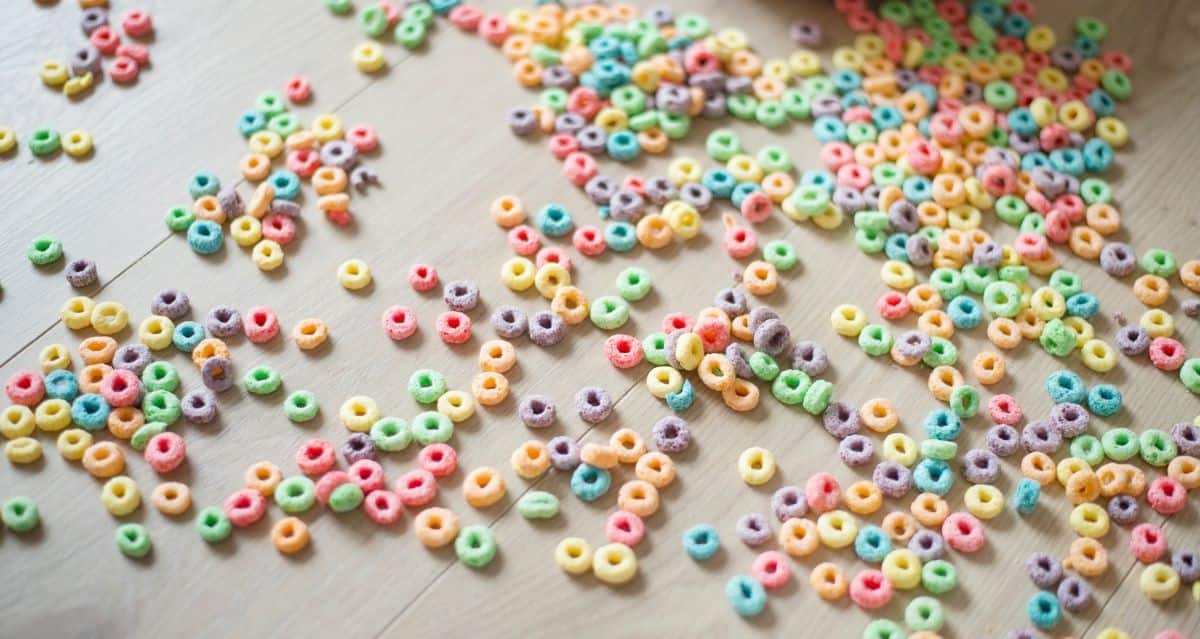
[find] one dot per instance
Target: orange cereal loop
(656, 469)
(828, 581)
(869, 154)
(760, 278)
(483, 487)
(516, 47)
(628, 445)
(714, 313)
(942, 381)
(932, 214)
(1043, 267)
(1087, 557)
(1189, 274)
(768, 88)
(622, 13)
(1039, 467)
(1151, 290)
(951, 86)
(988, 368)
(879, 415)
(936, 323)
(123, 422)
(527, 72)
(303, 139)
(310, 333)
(328, 180)
(878, 67)
(929, 510)
(739, 327)
(263, 477)
(530, 459)
(942, 259)
(435, 527)
(103, 460)
(507, 210)
(490, 388)
(669, 69)
(497, 355)
(863, 498)
(892, 144)
(545, 30)
(798, 537)
(171, 498)
(638, 497)
(716, 372)
(741, 395)
(97, 350)
(1112, 479)
(954, 243)
(91, 377)
(924, 297)
(778, 186)
(1029, 324)
(570, 304)
(983, 72)
(1086, 243)
(260, 201)
(208, 348)
(599, 455)
(974, 151)
(899, 525)
(976, 237)
(1185, 469)
(206, 207)
(653, 140)
(1004, 333)
(744, 63)
(255, 167)
(593, 13)
(653, 231)
(1135, 480)
(290, 535)
(948, 191)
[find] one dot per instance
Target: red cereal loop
(383, 507)
(870, 589)
(822, 492)
(1147, 543)
(367, 474)
(524, 240)
(245, 507)
(399, 322)
(835, 155)
(137, 23)
(137, 52)
(298, 89)
(634, 183)
(422, 277)
(772, 569)
(329, 482)
(757, 207)
(391, 11)
(562, 145)
(123, 70)
(466, 18)
(579, 167)
(553, 255)
(698, 59)
(589, 240)
(859, 114)
(1118, 60)
(623, 351)
(584, 101)
(363, 137)
(677, 322)
(1166, 496)
(279, 228)
(303, 162)
(454, 327)
(713, 334)
(893, 305)
(340, 218)
(25, 388)
(854, 176)
(1004, 409)
(315, 457)
(438, 459)
(105, 40)
(739, 241)
(494, 29)
(120, 388)
(260, 324)
(1167, 354)
(165, 452)
(963, 532)
(624, 527)
(1058, 226)
(416, 488)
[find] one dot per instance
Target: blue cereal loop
(896, 247)
(701, 542)
(933, 476)
(682, 399)
(90, 412)
(745, 595)
(251, 122)
(61, 384)
(286, 183)
(965, 313)
(942, 424)
(1044, 610)
(187, 335)
(1083, 305)
(1103, 399)
(1065, 386)
(554, 220)
(1025, 497)
(623, 146)
(205, 237)
(743, 191)
(589, 483)
(620, 236)
(719, 182)
(203, 183)
(872, 544)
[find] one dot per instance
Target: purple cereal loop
(697, 195)
(714, 107)
(660, 15)
(738, 84)
(711, 82)
(223, 321)
(600, 189)
(810, 358)
(339, 153)
(1074, 594)
(559, 77)
(1022, 634)
(1003, 440)
(1187, 438)
(870, 193)
(927, 545)
(170, 303)
(673, 99)
(564, 453)
(1070, 419)
(826, 104)
(82, 273)
(357, 447)
(840, 420)
(287, 207)
(593, 404)
(987, 255)
(772, 337)
(739, 358)
(753, 529)
(760, 315)
(805, 34)
(1066, 58)
(671, 434)
(509, 322)
(1072, 184)
(980, 466)
(132, 357)
(1133, 340)
(731, 301)
(546, 329)
(1117, 259)
(361, 178)
(1041, 436)
(660, 190)
(1187, 564)
(1044, 571)
(591, 139)
(893, 479)
(217, 373)
(569, 123)
(521, 121)
(231, 202)
(669, 348)
(788, 502)
(537, 411)
(1024, 143)
(1191, 308)
(906, 78)
(199, 406)
(849, 200)
(902, 215)
(1123, 510)
(856, 450)
(1077, 140)
(913, 345)
(86, 60)
(93, 19)
(626, 206)
(461, 295)
(971, 93)
(918, 250)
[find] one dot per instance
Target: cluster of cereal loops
(76, 78)
(408, 28)
(45, 142)
(45, 250)
(327, 155)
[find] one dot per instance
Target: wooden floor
(445, 155)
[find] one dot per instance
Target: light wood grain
(445, 156)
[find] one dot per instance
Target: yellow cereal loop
(573, 555)
(744, 169)
(156, 332)
(1098, 355)
(848, 320)
(77, 143)
(267, 255)
(54, 73)
(898, 275)
(1069, 466)
(689, 350)
(845, 58)
(16, 421)
(327, 128)
(900, 448)
(902, 567)
(368, 57)
(1047, 304)
(1115, 633)
(73, 443)
(354, 274)
(518, 274)
(359, 413)
(265, 142)
(684, 171)
(869, 45)
(984, 501)
(612, 120)
(8, 139)
(1089, 520)
(1159, 582)
(1158, 323)
(1043, 112)
(246, 230)
(550, 277)
(52, 415)
(23, 450)
(614, 563)
(683, 219)
(837, 529)
(804, 63)
(1040, 38)
(109, 318)
(54, 357)
(121, 496)
(76, 312)
(1113, 131)
(457, 405)
(663, 380)
(756, 466)
(829, 219)
(78, 85)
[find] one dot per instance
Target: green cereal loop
(997, 137)
(373, 20)
(301, 406)
(1066, 282)
(924, 613)
(882, 629)
(790, 386)
(947, 282)
(261, 380)
(1002, 299)
(628, 98)
(816, 398)
(1094, 190)
(339, 7)
(937, 26)
(1091, 28)
(421, 12)
(20, 514)
(295, 494)
(923, 9)
(797, 104)
(817, 85)
(774, 159)
(589, 30)
(810, 199)
(650, 44)
(1154, 261)
(213, 525)
(1120, 444)
(1033, 223)
(1011, 209)
(1157, 447)
(1089, 449)
(609, 312)
(133, 540)
(896, 11)
(426, 385)
(771, 114)
(1014, 273)
(644, 120)
(982, 31)
(545, 56)
(780, 254)
(871, 220)
(764, 366)
(887, 174)
(692, 25)
(179, 218)
(145, 433)
(931, 233)
(640, 27)
(654, 348)
(345, 498)
(43, 142)
(270, 103)
(410, 34)
(1189, 374)
(391, 434)
(161, 406)
(860, 132)
(537, 504)
(875, 340)
(1116, 83)
(741, 106)
(475, 546)
(618, 31)
(981, 51)
(676, 126)
(977, 278)
(870, 241)
(160, 375)
(939, 576)
(1057, 338)
(1000, 94)
(432, 427)
(634, 283)
(942, 352)
(964, 401)
(44, 249)
(938, 449)
(931, 56)
(284, 124)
